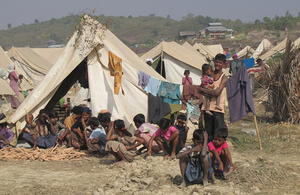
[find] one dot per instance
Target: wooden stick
(257, 132)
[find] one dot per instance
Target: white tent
(5, 92)
(50, 54)
(4, 62)
(265, 45)
(89, 46)
(278, 48)
(28, 63)
(246, 51)
(176, 59)
(193, 48)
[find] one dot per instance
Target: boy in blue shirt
(182, 127)
(97, 140)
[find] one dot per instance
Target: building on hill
(187, 34)
(215, 30)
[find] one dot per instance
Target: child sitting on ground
(62, 131)
(105, 122)
(219, 150)
(207, 82)
(145, 131)
(97, 140)
(167, 138)
(122, 144)
(194, 160)
(181, 125)
(30, 128)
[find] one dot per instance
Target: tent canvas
(265, 45)
(50, 54)
(4, 62)
(176, 59)
(278, 48)
(89, 46)
(244, 52)
(28, 63)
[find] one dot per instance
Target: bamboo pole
(257, 132)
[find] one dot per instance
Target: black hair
(139, 118)
(43, 111)
(186, 71)
(94, 121)
(220, 57)
(53, 114)
(104, 117)
(77, 110)
(120, 126)
(259, 60)
(182, 117)
(164, 123)
(206, 67)
(198, 134)
(221, 132)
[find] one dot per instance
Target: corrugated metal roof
(214, 24)
(186, 33)
(215, 28)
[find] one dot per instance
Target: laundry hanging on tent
(152, 86)
(235, 65)
(190, 92)
(115, 68)
(157, 108)
(143, 79)
(169, 92)
(240, 100)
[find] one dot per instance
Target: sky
(17, 12)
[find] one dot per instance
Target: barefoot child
(181, 125)
(145, 131)
(97, 140)
(208, 82)
(30, 128)
(122, 144)
(62, 131)
(219, 150)
(167, 138)
(194, 160)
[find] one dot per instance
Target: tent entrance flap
(157, 66)
(67, 83)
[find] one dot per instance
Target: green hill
(150, 30)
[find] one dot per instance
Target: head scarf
(11, 67)
(235, 55)
(86, 110)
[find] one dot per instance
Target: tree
(9, 26)
(36, 21)
(168, 16)
(257, 21)
(130, 16)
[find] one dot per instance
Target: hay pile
(282, 84)
(51, 154)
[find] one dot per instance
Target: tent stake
(257, 132)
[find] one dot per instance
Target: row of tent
(53, 75)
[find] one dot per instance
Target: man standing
(216, 120)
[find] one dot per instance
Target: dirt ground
(273, 170)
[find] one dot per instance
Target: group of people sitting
(206, 157)
(103, 136)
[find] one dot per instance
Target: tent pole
(257, 132)
(161, 62)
